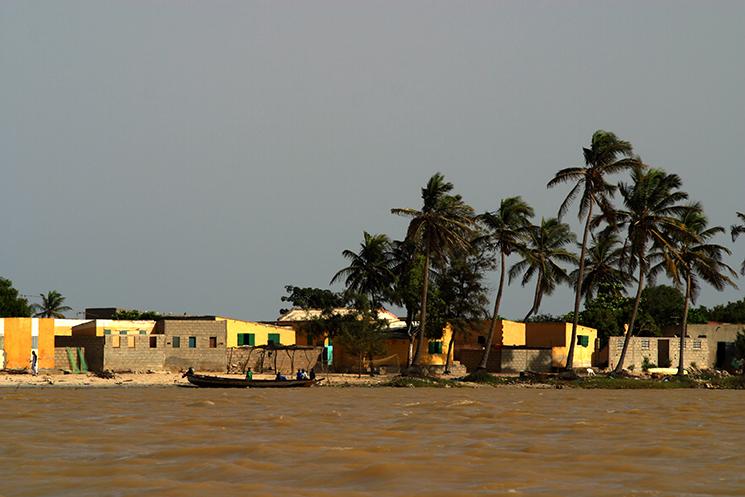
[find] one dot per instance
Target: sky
(196, 157)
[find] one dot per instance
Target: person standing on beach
(34, 363)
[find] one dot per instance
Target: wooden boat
(209, 381)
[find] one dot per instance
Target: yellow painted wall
(18, 342)
(260, 331)
(46, 343)
(436, 359)
(511, 333)
(99, 326)
(63, 327)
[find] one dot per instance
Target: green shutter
(583, 340)
(251, 340)
(241, 337)
(273, 339)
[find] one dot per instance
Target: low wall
(260, 360)
(507, 360)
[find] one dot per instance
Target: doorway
(663, 353)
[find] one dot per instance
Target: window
(107, 332)
(697, 344)
(309, 339)
(645, 344)
(435, 347)
(176, 342)
(192, 342)
(122, 332)
(115, 341)
(153, 342)
(143, 332)
(246, 339)
(131, 341)
(481, 340)
(583, 340)
(273, 339)
(213, 342)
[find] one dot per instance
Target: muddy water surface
(371, 441)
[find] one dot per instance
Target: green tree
(541, 258)
(12, 305)
(663, 304)
(370, 271)
(650, 217)
(52, 305)
(361, 333)
(442, 227)
(731, 312)
(606, 155)
(693, 260)
(311, 298)
(506, 230)
(407, 266)
(461, 294)
(134, 314)
(736, 230)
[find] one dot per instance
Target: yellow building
(63, 327)
(103, 327)
(558, 336)
(22, 335)
(249, 333)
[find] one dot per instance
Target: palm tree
(650, 217)
(692, 259)
(736, 230)
(370, 270)
(602, 265)
(606, 155)
(444, 224)
(51, 305)
(507, 229)
(540, 257)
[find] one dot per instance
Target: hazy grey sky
(197, 156)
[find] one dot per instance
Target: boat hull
(209, 381)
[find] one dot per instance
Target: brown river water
(371, 441)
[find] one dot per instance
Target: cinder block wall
(202, 357)
(134, 353)
(93, 351)
(637, 351)
(239, 359)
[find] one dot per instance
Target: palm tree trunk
(423, 313)
(578, 288)
(450, 351)
(536, 298)
(684, 327)
(494, 317)
(634, 310)
(409, 319)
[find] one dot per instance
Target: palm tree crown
(737, 230)
(52, 305)
(602, 265)
(370, 270)
(541, 256)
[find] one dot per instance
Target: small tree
(12, 305)
(362, 334)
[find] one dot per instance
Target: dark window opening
(153, 342)
(213, 342)
(176, 342)
(192, 342)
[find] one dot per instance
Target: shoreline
(344, 380)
